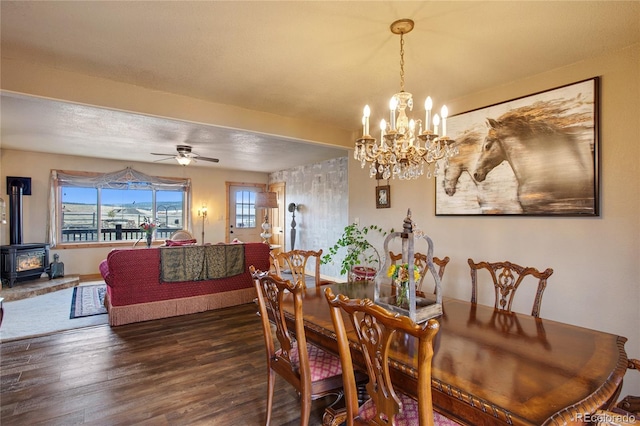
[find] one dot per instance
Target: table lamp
(266, 201)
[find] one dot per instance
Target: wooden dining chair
(627, 410)
(631, 403)
(313, 372)
(375, 329)
(296, 261)
(507, 278)
(420, 261)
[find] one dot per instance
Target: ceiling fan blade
(166, 155)
(213, 160)
(164, 159)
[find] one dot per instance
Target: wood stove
(18, 261)
(22, 262)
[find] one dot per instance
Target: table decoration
(362, 260)
(403, 299)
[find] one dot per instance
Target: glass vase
(402, 295)
(149, 240)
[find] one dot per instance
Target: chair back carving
(313, 372)
(376, 328)
(507, 277)
(296, 261)
(420, 261)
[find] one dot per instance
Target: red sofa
(135, 292)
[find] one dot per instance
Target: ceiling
(304, 61)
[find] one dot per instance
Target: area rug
(88, 300)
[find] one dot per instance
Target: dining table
(492, 367)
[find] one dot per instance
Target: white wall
(596, 260)
(322, 193)
(208, 187)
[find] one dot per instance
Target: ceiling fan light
(183, 161)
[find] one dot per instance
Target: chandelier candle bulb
(383, 126)
(428, 104)
(365, 120)
(444, 112)
(436, 123)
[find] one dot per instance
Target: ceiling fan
(185, 156)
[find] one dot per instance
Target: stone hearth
(25, 289)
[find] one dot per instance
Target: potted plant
(362, 259)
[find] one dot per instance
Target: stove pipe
(15, 215)
(16, 188)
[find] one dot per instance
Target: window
(170, 209)
(95, 208)
(245, 209)
(79, 214)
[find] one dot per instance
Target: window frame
(122, 179)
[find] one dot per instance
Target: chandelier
(406, 146)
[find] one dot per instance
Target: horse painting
(552, 165)
(479, 197)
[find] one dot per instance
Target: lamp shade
(183, 161)
(266, 200)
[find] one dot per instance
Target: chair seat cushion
(409, 414)
(323, 364)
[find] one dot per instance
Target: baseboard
(90, 277)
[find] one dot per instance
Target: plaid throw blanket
(198, 263)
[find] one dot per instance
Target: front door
(244, 221)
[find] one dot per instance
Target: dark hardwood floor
(200, 369)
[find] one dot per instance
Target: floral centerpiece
(148, 227)
(399, 274)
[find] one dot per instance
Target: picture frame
(383, 197)
(536, 155)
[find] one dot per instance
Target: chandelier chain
(402, 62)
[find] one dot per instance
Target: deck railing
(111, 234)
